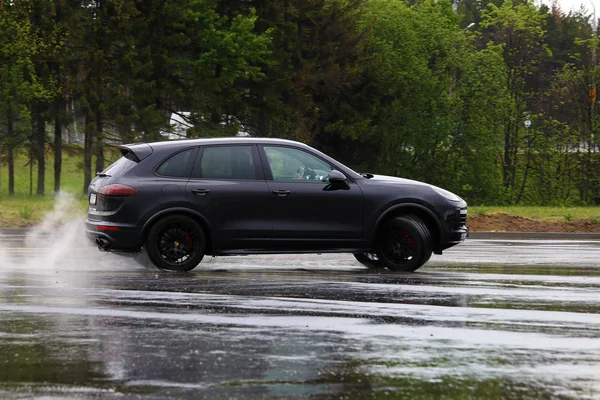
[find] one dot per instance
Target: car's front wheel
(404, 243)
(176, 242)
(369, 260)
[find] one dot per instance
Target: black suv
(183, 199)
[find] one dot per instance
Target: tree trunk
(72, 118)
(38, 121)
(38, 144)
(88, 141)
(10, 160)
(59, 104)
(506, 167)
(527, 167)
(99, 147)
(10, 155)
(31, 161)
(58, 108)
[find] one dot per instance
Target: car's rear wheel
(176, 242)
(369, 260)
(404, 243)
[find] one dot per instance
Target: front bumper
(458, 231)
(113, 237)
(458, 236)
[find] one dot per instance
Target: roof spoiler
(135, 152)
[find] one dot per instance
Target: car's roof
(222, 140)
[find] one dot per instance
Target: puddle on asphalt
(227, 355)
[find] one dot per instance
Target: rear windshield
(119, 167)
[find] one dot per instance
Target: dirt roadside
(509, 223)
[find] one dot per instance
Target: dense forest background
(494, 101)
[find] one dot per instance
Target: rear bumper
(113, 237)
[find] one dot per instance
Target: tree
(312, 81)
(519, 29)
(564, 111)
(439, 99)
(147, 59)
(20, 84)
(45, 29)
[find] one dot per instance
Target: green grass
(23, 210)
(548, 214)
(26, 212)
(71, 175)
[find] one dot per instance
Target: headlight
(446, 194)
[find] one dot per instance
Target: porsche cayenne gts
(182, 200)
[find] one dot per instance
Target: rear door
(228, 187)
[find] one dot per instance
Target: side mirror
(336, 176)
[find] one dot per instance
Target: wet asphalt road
(488, 319)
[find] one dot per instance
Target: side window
(289, 164)
(176, 165)
(227, 162)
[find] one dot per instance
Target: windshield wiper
(102, 175)
(368, 176)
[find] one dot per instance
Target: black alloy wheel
(404, 244)
(369, 260)
(177, 243)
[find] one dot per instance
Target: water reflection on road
(489, 319)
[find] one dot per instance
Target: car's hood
(394, 181)
(384, 179)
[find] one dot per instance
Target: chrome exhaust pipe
(103, 244)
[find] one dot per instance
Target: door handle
(200, 192)
(281, 192)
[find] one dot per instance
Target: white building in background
(179, 125)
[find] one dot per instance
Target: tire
(369, 260)
(176, 242)
(404, 243)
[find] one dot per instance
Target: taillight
(117, 190)
(107, 228)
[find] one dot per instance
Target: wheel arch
(421, 212)
(181, 211)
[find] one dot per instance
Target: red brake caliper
(188, 240)
(411, 242)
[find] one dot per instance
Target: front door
(307, 211)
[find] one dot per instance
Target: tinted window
(227, 162)
(119, 167)
(175, 166)
(289, 164)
